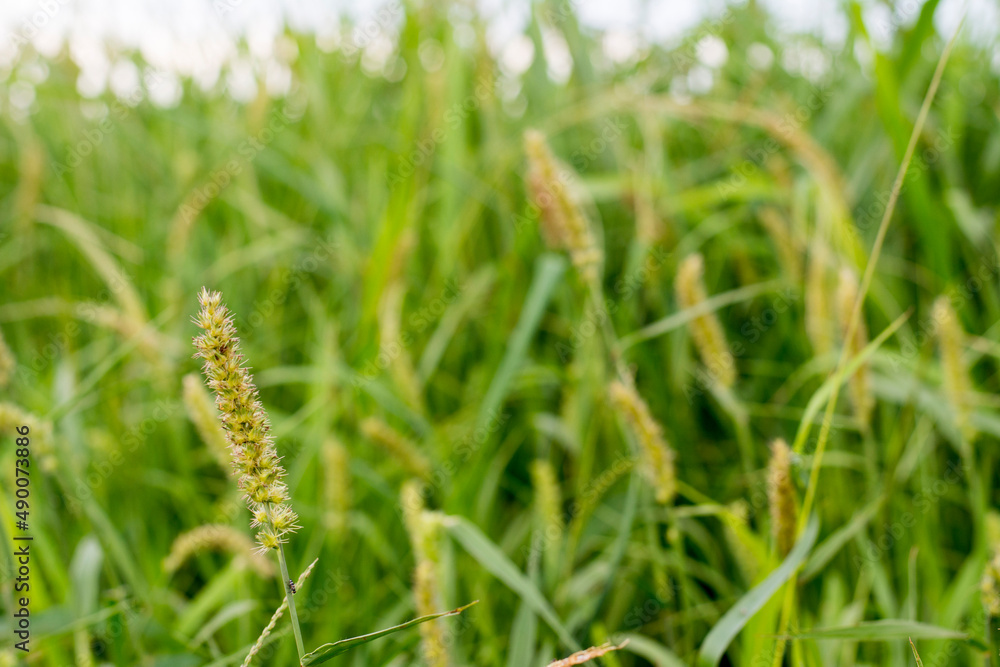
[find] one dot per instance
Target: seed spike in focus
(245, 423)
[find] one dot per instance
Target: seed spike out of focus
(657, 456)
(709, 338)
(563, 224)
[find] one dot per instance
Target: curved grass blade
(496, 562)
(328, 651)
(710, 305)
(889, 629)
(826, 390)
(548, 271)
(732, 622)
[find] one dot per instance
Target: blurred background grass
(371, 230)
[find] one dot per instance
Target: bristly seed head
(657, 456)
(244, 422)
(706, 330)
(781, 497)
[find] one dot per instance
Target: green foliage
(377, 244)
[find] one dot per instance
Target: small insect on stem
(291, 586)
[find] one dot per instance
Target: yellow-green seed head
(243, 419)
(781, 497)
(203, 414)
(957, 385)
(706, 331)
(423, 526)
(563, 223)
(216, 537)
(403, 449)
(657, 456)
(548, 498)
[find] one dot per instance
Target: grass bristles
(563, 223)
(955, 372)
(706, 331)
(216, 537)
(202, 412)
(422, 527)
(657, 456)
(245, 423)
(859, 386)
(401, 448)
(781, 497)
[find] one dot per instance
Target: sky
(198, 38)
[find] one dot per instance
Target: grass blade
(548, 270)
(328, 651)
(732, 622)
(496, 562)
(888, 630)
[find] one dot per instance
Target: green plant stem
(292, 614)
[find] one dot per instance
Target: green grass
(383, 260)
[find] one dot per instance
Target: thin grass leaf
(328, 651)
(496, 562)
(889, 629)
(548, 270)
(732, 622)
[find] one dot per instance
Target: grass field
(379, 233)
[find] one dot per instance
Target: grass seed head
(548, 498)
(423, 528)
(337, 490)
(706, 330)
(39, 431)
(957, 385)
(203, 414)
(781, 497)
(657, 456)
(403, 449)
(563, 223)
(245, 423)
(216, 537)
